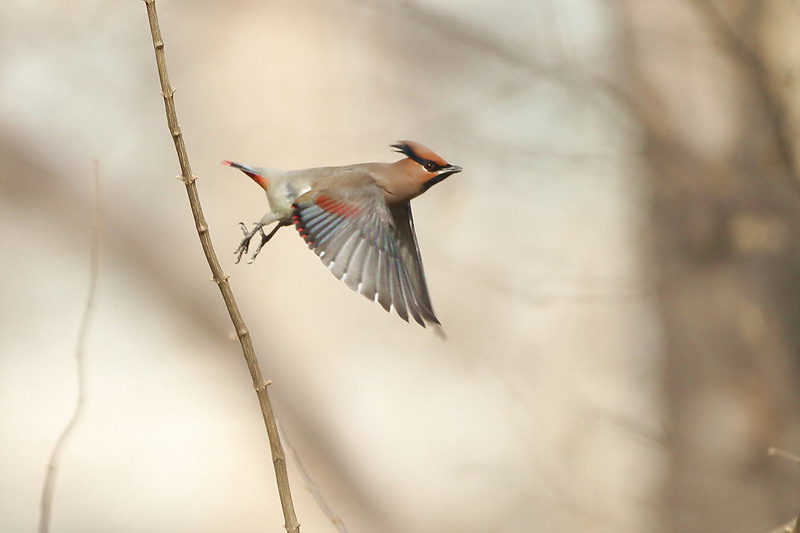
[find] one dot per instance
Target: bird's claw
(264, 240)
(244, 246)
(248, 236)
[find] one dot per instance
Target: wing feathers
(344, 254)
(409, 251)
(371, 249)
(354, 269)
(398, 299)
(370, 273)
(383, 283)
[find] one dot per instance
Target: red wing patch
(336, 207)
(298, 223)
(356, 241)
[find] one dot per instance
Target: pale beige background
(539, 413)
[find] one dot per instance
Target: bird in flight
(357, 219)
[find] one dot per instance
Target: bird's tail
(256, 174)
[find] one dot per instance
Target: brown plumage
(358, 220)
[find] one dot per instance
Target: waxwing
(357, 219)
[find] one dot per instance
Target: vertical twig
(46, 504)
(260, 385)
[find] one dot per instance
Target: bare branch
(221, 279)
(48, 489)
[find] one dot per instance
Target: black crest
(427, 164)
(405, 149)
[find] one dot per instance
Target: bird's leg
(265, 237)
(269, 218)
(245, 244)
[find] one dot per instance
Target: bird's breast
(283, 191)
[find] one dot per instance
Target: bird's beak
(446, 172)
(449, 171)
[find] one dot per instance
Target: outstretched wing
(352, 230)
(406, 239)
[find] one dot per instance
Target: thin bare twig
(312, 487)
(48, 489)
(260, 385)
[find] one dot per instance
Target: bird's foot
(264, 240)
(265, 237)
(248, 236)
(244, 246)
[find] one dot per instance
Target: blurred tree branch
(456, 30)
(724, 205)
(248, 350)
(312, 487)
(751, 64)
(792, 526)
(788, 527)
(48, 488)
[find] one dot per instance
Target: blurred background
(617, 267)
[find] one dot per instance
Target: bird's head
(428, 168)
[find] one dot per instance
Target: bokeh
(616, 268)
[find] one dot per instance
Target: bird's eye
(430, 166)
